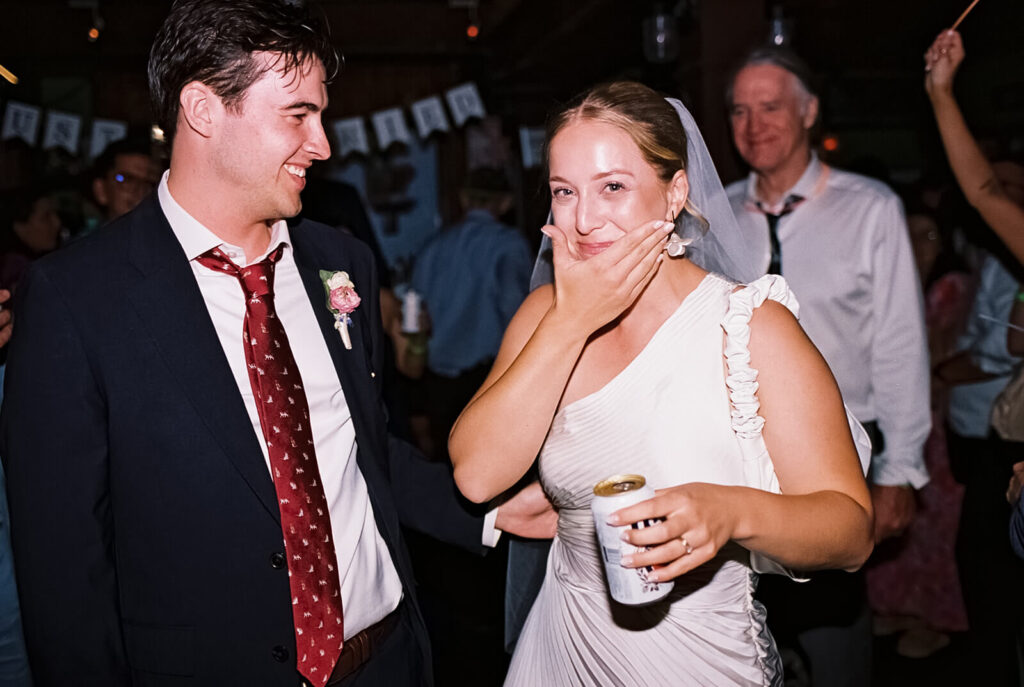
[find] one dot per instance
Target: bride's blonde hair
(641, 112)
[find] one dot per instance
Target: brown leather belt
(358, 648)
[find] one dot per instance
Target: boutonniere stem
(342, 300)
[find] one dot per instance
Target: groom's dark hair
(212, 41)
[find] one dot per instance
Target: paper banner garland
(105, 132)
(429, 116)
(21, 121)
(390, 127)
(62, 131)
(464, 102)
(351, 136)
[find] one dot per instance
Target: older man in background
(841, 242)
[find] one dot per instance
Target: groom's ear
(198, 107)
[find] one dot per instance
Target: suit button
(277, 560)
(279, 653)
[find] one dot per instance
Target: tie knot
(256, 279)
(791, 202)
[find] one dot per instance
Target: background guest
(123, 174)
(472, 278)
(841, 242)
(987, 567)
(30, 228)
(913, 586)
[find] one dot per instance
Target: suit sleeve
(428, 500)
(54, 447)
(899, 359)
(425, 492)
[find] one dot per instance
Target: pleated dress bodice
(667, 416)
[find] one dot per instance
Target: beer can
(631, 586)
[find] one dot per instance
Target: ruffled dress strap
(741, 380)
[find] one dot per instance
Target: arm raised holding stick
(974, 174)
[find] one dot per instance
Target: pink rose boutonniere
(342, 299)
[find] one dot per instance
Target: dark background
(531, 55)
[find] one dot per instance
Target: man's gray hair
(782, 58)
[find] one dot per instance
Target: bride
(643, 358)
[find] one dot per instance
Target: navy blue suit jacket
(145, 524)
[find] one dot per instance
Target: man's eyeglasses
(134, 182)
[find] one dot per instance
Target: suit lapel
(351, 365)
(170, 304)
(354, 368)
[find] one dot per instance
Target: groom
(194, 506)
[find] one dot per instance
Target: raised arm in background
(974, 174)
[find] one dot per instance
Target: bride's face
(602, 187)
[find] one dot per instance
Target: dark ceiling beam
(495, 13)
(378, 29)
(538, 30)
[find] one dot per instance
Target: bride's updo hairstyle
(647, 117)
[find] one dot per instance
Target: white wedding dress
(670, 416)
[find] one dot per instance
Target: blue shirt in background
(970, 405)
(472, 277)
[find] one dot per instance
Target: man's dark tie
(775, 264)
(284, 418)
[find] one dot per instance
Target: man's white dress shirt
(370, 586)
(846, 254)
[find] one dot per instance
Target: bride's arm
(500, 432)
(822, 519)
(498, 435)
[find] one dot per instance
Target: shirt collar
(804, 186)
(196, 239)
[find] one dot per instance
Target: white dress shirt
(370, 586)
(846, 254)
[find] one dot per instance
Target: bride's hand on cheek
(696, 522)
(593, 292)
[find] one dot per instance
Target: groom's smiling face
(268, 141)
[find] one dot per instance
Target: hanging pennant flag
(105, 132)
(389, 125)
(464, 102)
(351, 136)
(429, 116)
(531, 142)
(62, 130)
(21, 121)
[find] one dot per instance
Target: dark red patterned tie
(284, 417)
